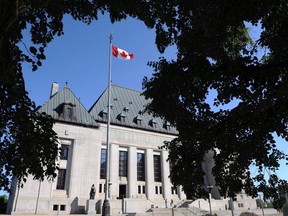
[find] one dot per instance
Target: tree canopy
(214, 53)
(28, 144)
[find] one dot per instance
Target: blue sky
(81, 57)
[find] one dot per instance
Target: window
(153, 123)
(61, 179)
(68, 115)
(122, 117)
(64, 152)
(138, 120)
(105, 116)
(103, 163)
(67, 111)
(100, 188)
(240, 205)
(171, 165)
(157, 168)
(173, 190)
(140, 166)
(167, 125)
(55, 207)
(123, 163)
(62, 207)
(158, 189)
(139, 189)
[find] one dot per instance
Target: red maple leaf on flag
(123, 54)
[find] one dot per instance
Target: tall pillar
(132, 172)
(149, 170)
(165, 175)
(114, 170)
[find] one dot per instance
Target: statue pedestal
(91, 207)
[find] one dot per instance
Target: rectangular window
(140, 166)
(62, 207)
(143, 188)
(64, 152)
(157, 168)
(139, 189)
(61, 179)
(156, 189)
(139, 122)
(123, 163)
(105, 115)
(68, 114)
(100, 188)
(103, 163)
(55, 207)
(160, 189)
(174, 190)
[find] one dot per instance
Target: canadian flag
(122, 54)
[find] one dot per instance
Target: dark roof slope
(54, 108)
(127, 108)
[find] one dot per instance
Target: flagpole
(106, 204)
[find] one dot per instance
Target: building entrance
(122, 191)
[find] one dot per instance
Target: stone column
(132, 172)
(114, 170)
(149, 170)
(165, 175)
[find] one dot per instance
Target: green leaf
(33, 50)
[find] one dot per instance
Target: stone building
(139, 172)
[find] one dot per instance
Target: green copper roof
(127, 109)
(64, 99)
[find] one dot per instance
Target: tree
(3, 204)
(28, 144)
(216, 53)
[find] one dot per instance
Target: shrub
(248, 214)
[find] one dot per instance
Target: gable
(64, 106)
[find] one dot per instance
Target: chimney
(54, 89)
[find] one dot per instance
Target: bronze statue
(92, 192)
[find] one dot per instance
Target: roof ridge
(114, 85)
(106, 89)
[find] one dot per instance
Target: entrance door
(122, 191)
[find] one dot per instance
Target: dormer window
(167, 126)
(138, 120)
(104, 114)
(68, 113)
(153, 123)
(121, 117)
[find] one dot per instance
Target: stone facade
(138, 169)
(80, 168)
